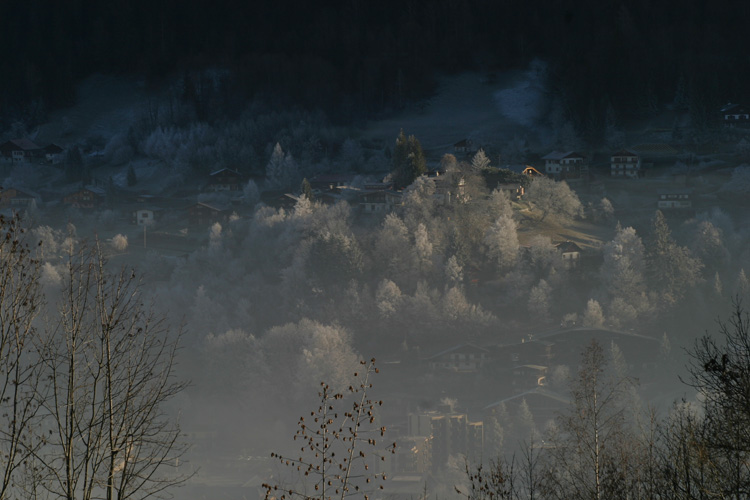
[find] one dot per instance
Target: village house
(449, 433)
(328, 182)
(675, 199)
(377, 201)
(203, 214)
(464, 146)
(733, 115)
(459, 358)
(570, 252)
(564, 164)
(225, 179)
(88, 197)
(53, 153)
(20, 150)
(17, 199)
(626, 163)
(520, 168)
(144, 216)
(515, 191)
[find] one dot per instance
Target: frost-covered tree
(501, 240)
(539, 300)
(672, 268)
(454, 273)
(251, 193)
(593, 317)
(553, 199)
(281, 170)
(624, 266)
(388, 298)
(480, 161)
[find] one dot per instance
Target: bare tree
(20, 375)
(110, 362)
(339, 446)
(720, 371)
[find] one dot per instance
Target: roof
(206, 205)
(459, 348)
(625, 152)
(521, 168)
(52, 148)
(560, 155)
(538, 391)
(463, 143)
(675, 191)
(731, 108)
(93, 189)
(20, 193)
(225, 170)
(568, 246)
(25, 144)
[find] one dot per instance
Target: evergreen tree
(672, 268)
(408, 160)
(132, 179)
(306, 189)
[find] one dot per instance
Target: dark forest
(356, 59)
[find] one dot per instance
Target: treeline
(610, 444)
(354, 59)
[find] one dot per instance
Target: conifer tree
(408, 160)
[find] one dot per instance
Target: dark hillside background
(356, 59)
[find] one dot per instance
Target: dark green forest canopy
(353, 58)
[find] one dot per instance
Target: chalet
(449, 189)
(379, 201)
(16, 199)
(19, 150)
(464, 146)
(460, 358)
(203, 214)
(543, 403)
(144, 216)
(564, 164)
(675, 199)
(88, 197)
(527, 170)
(515, 191)
(735, 115)
(327, 182)
(626, 163)
(279, 199)
(570, 252)
(52, 153)
(225, 179)
(450, 433)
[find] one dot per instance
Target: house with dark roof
(459, 358)
(17, 199)
(203, 214)
(52, 153)
(19, 150)
(464, 146)
(88, 197)
(225, 179)
(733, 115)
(564, 164)
(570, 252)
(675, 199)
(625, 163)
